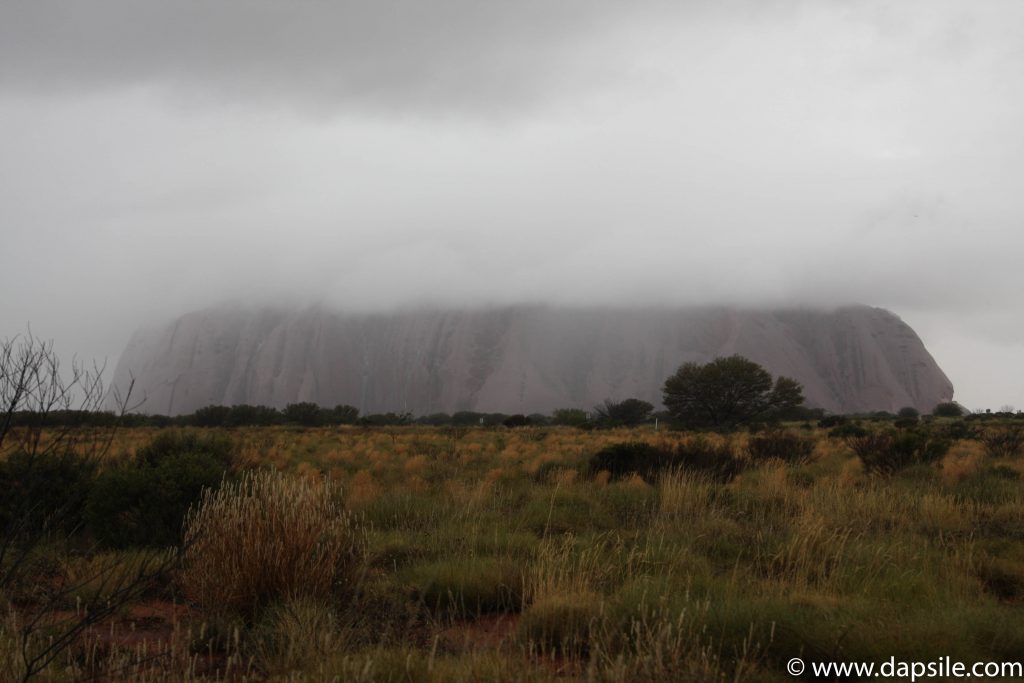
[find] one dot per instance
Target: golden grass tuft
(266, 538)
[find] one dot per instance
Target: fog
(158, 157)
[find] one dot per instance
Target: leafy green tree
(727, 392)
(628, 413)
(342, 415)
(211, 416)
(305, 413)
(246, 415)
(908, 413)
(947, 409)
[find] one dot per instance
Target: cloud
(161, 156)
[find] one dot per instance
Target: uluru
(518, 359)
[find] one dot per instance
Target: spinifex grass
(544, 571)
(265, 538)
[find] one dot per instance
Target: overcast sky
(158, 157)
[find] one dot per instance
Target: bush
(717, 461)
(847, 430)
(341, 415)
(698, 454)
(908, 412)
(569, 417)
(266, 538)
(959, 430)
(306, 414)
(830, 421)
(211, 416)
(139, 505)
(948, 409)
(890, 451)
(779, 444)
(144, 502)
(516, 421)
(628, 413)
(1003, 442)
(43, 492)
(247, 415)
(623, 459)
(171, 444)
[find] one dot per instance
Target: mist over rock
(519, 359)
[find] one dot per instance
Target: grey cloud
(444, 55)
(162, 156)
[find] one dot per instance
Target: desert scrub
(269, 537)
(1003, 442)
(780, 444)
(696, 454)
(887, 452)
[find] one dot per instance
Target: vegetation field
(516, 554)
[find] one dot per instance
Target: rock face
(518, 359)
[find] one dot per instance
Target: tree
(306, 414)
(342, 415)
(947, 409)
(727, 392)
(908, 413)
(46, 465)
(628, 413)
(569, 417)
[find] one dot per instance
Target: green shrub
(624, 459)
(698, 454)
(139, 505)
(948, 409)
(778, 444)
(1003, 442)
(174, 443)
(847, 430)
(43, 492)
(908, 412)
(306, 414)
(889, 451)
(717, 461)
(516, 421)
(959, 430)
(144, 502)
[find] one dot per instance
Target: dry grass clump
(266, 538)
(294, 632)
(686, 496)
